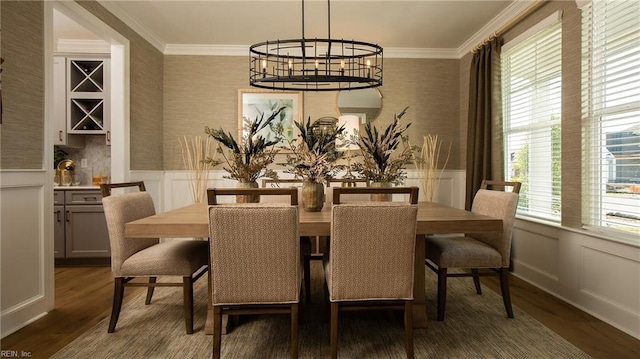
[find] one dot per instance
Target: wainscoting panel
(26, 248)
(450, 192)
(601, 274)
(597, 275)
(537, 253)
(153, 182)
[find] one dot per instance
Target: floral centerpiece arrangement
(379, 165)
(247, 161)
(313, 157)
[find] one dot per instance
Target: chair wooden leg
(294, 331)
(334, 330)
(408, 329)
(504, 287)
(442, 292)
(118, 293)
(307, 278)
(476, 280)
(187, 288)
(217, 331)
(325, 303)
(152, 280)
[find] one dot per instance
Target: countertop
(71, 188)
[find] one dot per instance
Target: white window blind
(611, 116)
(531, 97)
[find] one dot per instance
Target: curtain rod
(506, 27)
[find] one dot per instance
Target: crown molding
(83, 46)
(492, 26)
(243, 50)
(207, 50)
(134, 24)
(415, 53)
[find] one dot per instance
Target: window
(611, 116)
(531, 98)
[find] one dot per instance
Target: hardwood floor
(83, 297)
(84, 294)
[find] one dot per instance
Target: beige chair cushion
(118, 210)
(255, 253)
(176, 257)
(372, 251)
(448, 252)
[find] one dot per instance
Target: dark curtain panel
(484, 131)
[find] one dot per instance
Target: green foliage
(379, 164)
(248, 161)
(58, 156)
(313, 156)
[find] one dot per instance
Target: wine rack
(87, 96)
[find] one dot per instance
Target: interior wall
(146, 93)
(22, 129)
(202, 91)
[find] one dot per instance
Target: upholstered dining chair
(478, 250)
(255, 256)
(371, 257)
(147, 257)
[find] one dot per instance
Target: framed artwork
(253, 104)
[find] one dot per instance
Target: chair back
(292, 192)
(501, 205)
(338, 192)
(118, 210)
(255, 253)
(105, 188)
(372, 251)
(501, 185)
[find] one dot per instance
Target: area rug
(475, 326)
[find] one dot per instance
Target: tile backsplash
(98, 156)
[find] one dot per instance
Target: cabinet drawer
(58, 197)
(83, 197)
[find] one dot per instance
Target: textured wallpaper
(146, 64)
(22, 129)
(203, 91)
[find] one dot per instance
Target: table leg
(208, 324)
(419, 300)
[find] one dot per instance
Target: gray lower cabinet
(80, 226)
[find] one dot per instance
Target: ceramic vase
(312, 196)
(376, 197)
(247, 198)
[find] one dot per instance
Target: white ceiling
(398, 24)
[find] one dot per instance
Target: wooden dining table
(433, 218)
